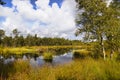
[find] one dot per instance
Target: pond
(39, 61)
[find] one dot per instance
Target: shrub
(48, 57)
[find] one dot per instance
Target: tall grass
(86, 69)
(9, 69)
(48, 56)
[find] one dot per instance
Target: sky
(46, 18)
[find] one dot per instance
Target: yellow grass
(87, 69)
(34, 49)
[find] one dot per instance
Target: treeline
(17, 40)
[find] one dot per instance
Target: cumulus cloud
(46, 21)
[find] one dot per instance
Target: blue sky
(8, 3)
(47, 18)
(59, 2)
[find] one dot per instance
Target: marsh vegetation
(95, 57)
(87, 69)
(74, 63)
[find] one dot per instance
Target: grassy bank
(86, 69)
(35, 49)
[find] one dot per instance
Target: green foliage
(113, 32)
(7, 41)
(2, 33)
(95, 52)
(17, 40)
(98, 21)
(15, 32)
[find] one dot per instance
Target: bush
(48, 57)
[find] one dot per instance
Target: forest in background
(18, 40)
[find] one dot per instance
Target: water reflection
(61, 59)
(1, 57)
(8, 60)
(65, 58)
(24, 57)
(36, 61)
(33, 62)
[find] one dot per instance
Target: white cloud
(46, 21)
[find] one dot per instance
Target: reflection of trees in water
(59, 51)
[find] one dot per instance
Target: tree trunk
(103, 50)
(102, 47)
(111, 54)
